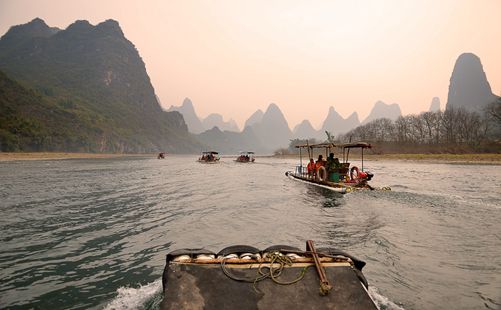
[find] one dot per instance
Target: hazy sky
(233, 57)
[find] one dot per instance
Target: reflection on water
(327, 197)
(87, 233)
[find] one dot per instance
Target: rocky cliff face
(468, 86)
(383, 110)
(95, 74)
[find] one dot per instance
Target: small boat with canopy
(332, 173)
(209, 157)
(245, 157)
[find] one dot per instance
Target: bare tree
(494, 110)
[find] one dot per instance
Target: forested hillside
(83, 89)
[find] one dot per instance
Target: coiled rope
(265, 272)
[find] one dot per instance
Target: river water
(93, 233)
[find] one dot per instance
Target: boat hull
(339, 187)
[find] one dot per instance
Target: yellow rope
(273, 272)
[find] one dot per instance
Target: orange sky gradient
(234, 57)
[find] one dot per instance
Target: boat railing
(301, 170)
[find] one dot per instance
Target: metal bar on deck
(325, 286)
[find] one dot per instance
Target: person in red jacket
(320, 162)
(311, 168)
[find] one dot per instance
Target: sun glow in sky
(234, 57)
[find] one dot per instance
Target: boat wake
(146, 296)
(149, 296)
(382, 302)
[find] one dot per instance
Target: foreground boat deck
(209, 284)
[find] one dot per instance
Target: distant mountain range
(265, 133)
(468, 89)
(197, 125)
(81, 89)
(85, 89)
(259, 120)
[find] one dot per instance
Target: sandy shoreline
(58, 156)
(477, 159)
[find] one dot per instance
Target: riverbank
(447, 158)
(53, 156)
(472, 159)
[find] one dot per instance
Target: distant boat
(245, 157)
(331, 173)
(209, 157)
(161, 155)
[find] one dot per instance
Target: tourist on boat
(320, 162)
(311, 168)
(332, 163)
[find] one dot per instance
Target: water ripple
(76, 232)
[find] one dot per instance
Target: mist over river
(93, 233)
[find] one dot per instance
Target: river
(93, 233)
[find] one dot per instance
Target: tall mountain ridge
(96, 76)
(273, 129)
(469, 88)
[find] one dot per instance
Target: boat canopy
(346, 147)
(317, 146)
(210, 152)
(363, 145)
(244, 153)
